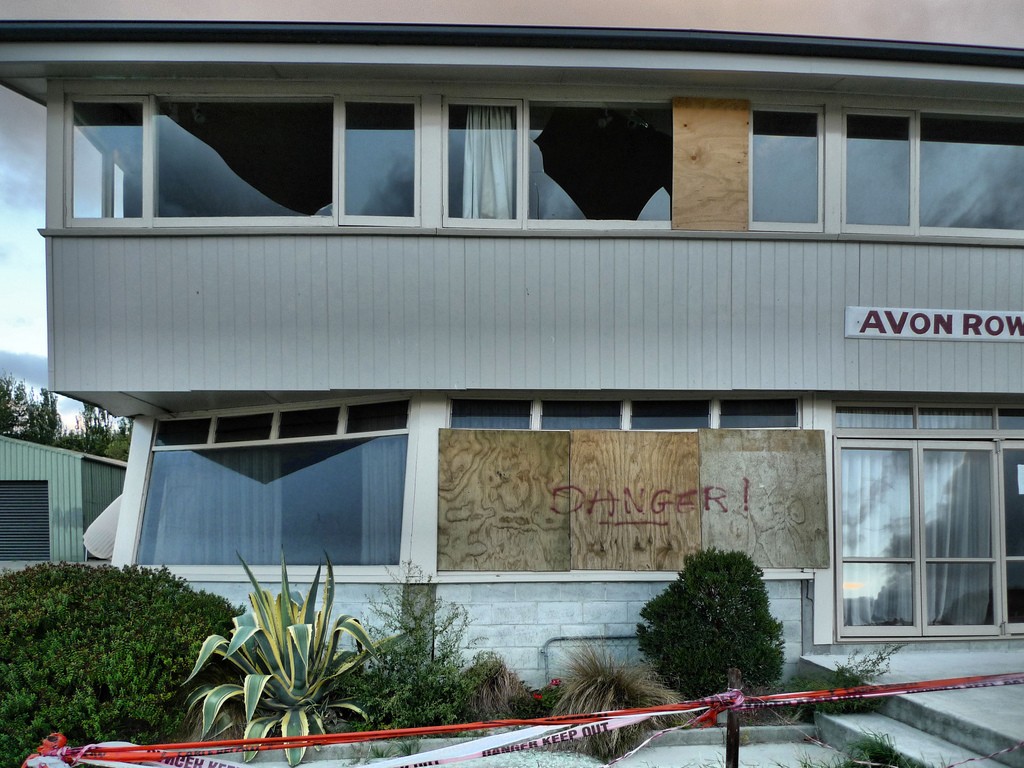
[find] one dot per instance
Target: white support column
(428, 414)
(133, 496)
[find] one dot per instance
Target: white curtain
(489, 168)
(958, 520)
(383, 491)
(876, 523)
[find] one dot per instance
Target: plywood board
(634, 501)
(710, 148)
(496, 507)
(765, 494)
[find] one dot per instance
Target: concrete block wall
(535, 626)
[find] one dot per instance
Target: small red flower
(537, 695)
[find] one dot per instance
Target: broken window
(218, 158)
(611, 162)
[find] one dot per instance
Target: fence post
(732, 724)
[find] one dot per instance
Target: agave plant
(293, 659)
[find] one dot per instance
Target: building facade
(540, 310)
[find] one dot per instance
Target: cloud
(31, 369)
(22, 151)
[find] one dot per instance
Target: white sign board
(934, 324)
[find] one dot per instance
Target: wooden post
(732, 725)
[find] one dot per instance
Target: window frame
(177, 222)
(68, 160)
(914, 189)
(230, 571)
(916, 444)
(586, 224)
(757, 225)
(340, 111)
(458, 222)
(626, 410)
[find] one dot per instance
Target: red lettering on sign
(920, 323)
(872, 322)
(896, 325)
(994, 325)
(1015, 325)
(972, 324)
(942, 323)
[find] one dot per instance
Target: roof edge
(583, 38)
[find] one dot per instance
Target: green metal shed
(49, 496)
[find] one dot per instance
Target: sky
(22, 249)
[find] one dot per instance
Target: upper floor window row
(514, 163)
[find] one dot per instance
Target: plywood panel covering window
(710, 164)
(765, 494)
(633, 500)
(496, 511)
(512, 500)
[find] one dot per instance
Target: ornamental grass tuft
(596, 682)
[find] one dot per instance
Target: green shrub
(715, 616)
(290, 662)
(97, 653)
(858, 669)
(876, 749)
(417, 676)
(595, 682)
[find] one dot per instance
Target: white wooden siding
(363, 312)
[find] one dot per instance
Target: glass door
(918, 539)
(957, 505)
(877, 540)
(1013, 529)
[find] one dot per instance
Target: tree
(24, 415)
(100, 434)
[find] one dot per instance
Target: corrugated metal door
(24, 520)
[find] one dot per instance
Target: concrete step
(979, 733)
(840, 731)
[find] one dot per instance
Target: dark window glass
(183, 432)
(1013, 489)
(107, 161)
(594, 414)
(490, 414)
(318, 421)
(972, 172)
(878, 170)
(235, 429)
(339, 498)
(612, 162)
(785, 167)
(244, 158)
(1011, 418)
(482, 161)
(1015, 591)
(670, 414)
(758, 413)
(380, 159)
(377, 417)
